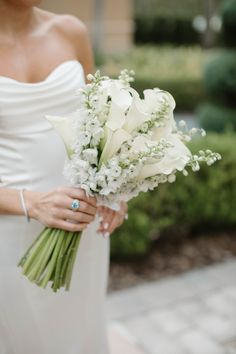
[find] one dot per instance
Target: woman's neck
(16, 20)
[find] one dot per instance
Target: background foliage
(203, 201)
(177, 70)
(219, 113)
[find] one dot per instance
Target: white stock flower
(90, 155)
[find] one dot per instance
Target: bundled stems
(51, 258)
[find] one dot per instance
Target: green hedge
(202, 201)
(229, 22)
(159, 30)
(214, 117)
(220, 78)
(175, 69)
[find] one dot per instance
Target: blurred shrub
(220, 78)
(203, 201)
(213, 117)
(229, 22)
(159, 30)
(177, 70)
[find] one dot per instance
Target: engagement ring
(75, 204)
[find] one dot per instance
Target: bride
(44, 58)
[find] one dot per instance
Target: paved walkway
(194, 313)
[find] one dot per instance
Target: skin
(25, 33)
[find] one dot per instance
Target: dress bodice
(31, 152)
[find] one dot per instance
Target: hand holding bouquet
(118, 145)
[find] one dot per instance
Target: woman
(43, 59)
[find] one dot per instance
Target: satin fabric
(32, 155)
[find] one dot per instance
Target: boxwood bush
(229, 22)
(214, 117)
(203, 201)
(220, 77)
(159, 29)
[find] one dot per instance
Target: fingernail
(106, 234)
(106, 225)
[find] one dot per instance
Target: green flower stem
(51, 257)
(36, 242)
(40, 239)
(56, 275)
(72, 261)
(36, 251)
(51, 266)
(67, 259)
(39, 266)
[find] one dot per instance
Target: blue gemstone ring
(75, 205)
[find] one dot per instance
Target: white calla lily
(120, 96)
(113, 144)
(135, 116)
(64, 127)
(155, 98)
(161, 132)
(175, 158)
(141, 143)
(116, 117)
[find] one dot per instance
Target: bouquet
(118, 145)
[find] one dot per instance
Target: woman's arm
(10, 203)
(53, 208)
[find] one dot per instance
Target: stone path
(194, 313)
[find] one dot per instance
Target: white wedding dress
(32, 155)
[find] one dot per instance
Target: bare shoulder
(68, 26)
(75, 33)
(71, 26)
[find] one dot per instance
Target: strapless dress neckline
(53, 73)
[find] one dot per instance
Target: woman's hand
(53, 209)
(111, 219)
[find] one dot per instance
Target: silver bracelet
(22, 199)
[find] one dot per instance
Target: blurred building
(110, 21)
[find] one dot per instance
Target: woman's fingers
(78, 193)
(116, 222)
(107, 215)
(64, 201)
(111, 219)
(69, 226)
(76, 216)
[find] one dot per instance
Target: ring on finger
(75, 205)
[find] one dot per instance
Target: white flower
(84, 137)
(96, 137)
(64, 127)
(176, 158)
(90, 155)
(113, 144)
(161, 132)
(135, 116)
